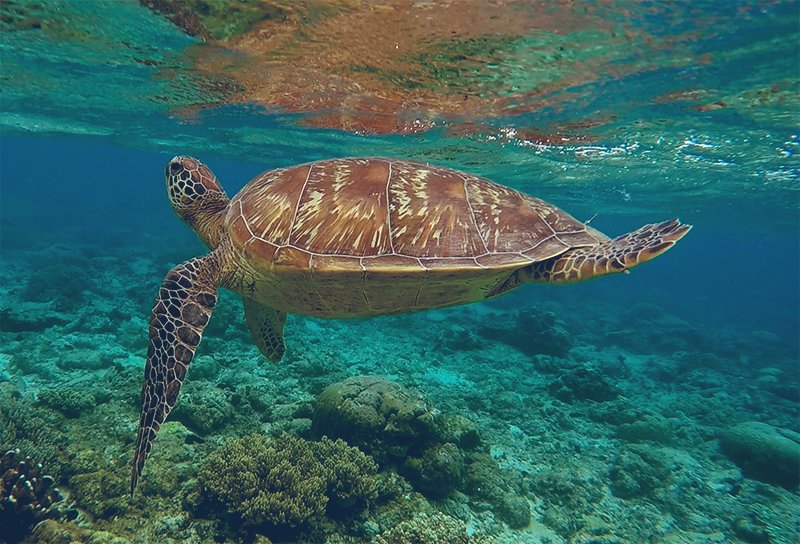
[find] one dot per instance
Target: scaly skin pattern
(266, 328)
(617, 255)
(197, 197)
(358, 237)
(183, 307)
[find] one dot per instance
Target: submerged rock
(567, 489)
(515, 511)
(460, 431)
(382, 417)
(436, 453)
(532, 332)
(656, 331)
(751, 530)
(649, 428)
(637, 472)
(583, 383)
(439, 471)
(485, 481)
(764, 452)
(36, 320)
(203, 408)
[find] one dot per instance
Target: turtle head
(197, 197)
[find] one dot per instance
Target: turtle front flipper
(613, 256)
(183, 307)
(266, 328)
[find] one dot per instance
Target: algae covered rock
(531, 331)
(566, 488)
(460, 431)
(204, 368)
(583, 383)
(751, 530)
(514, 510)
(378, 415)
(438, 454)
(55, 532)
(637, 472)
(350, 474)
(32, 318)
(102, 492)
(649, 428)
(286, 481)
(657, 331)
(439, 471)
(485, 481)
(203, 408)
(764, 452)
(596, 531)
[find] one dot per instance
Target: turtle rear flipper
(183, 307)
(266, 328)
(613, 256)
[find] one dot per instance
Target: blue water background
(737, 268)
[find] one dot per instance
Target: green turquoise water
(606, 411)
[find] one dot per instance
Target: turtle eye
(175, 168)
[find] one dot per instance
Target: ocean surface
(658, 406)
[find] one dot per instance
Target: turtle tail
(614, 256)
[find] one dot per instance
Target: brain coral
(384, 418)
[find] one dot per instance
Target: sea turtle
(358, 237)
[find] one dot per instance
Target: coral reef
(608, 441)
(286, 481)
(751, 530)
(52, 531)
(460, 431)
(68, 400)
(438, 453)
(350, 474)
(27, 495)
(567, 496)
(426, 528)
(32, 319)
(30, 429)
(657, 331)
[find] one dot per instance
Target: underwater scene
(396, 350)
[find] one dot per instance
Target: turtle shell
(397, 219)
